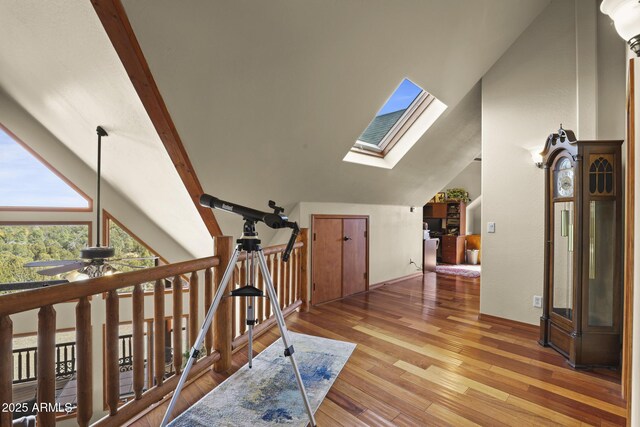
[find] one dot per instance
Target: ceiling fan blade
(50, 263)
(135, 258)
(127, 265)
(62, 269)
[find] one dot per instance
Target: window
(127, 245)
(27, 182)
(396, 127)
(21, 243)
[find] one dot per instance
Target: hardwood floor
(424, 358)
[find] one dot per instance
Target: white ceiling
(57, 62)
(267, 96)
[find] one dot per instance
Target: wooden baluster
(6, 368)
(275, 277)
(304, 279)
(177, 324)
(260, 301)
(267, 307)
(208, 299)
(299, 281)
(112, 338)
(281, 283)
(158, 332)
(223, 320)
(243, 301)
(46, 364)
(294, 276)
(84, 364)
(234, 305)
(286, 282)
(137, 301)
(193, 308)
(149, 339)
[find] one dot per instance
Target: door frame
(314, 217)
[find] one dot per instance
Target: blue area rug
(267, 394)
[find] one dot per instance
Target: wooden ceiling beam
(118, 28)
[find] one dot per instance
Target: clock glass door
(563, 259)
(602, 241)
(563, 220)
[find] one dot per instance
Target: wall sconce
(536, 157)
(626, 18)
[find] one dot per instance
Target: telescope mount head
(249, 241)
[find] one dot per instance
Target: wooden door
(339, 256)
(354, 256)
(327, 260)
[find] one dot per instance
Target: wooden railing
(226, 334)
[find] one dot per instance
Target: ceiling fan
(95, 261)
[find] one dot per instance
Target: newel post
(304, 276)
(222, 319)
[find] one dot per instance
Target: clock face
(564, 179)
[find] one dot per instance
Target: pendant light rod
(101, 132)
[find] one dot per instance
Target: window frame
(107, 217)
(48, 165)
(398, 129)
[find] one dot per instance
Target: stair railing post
(223, 317)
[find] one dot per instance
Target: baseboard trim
(396, 280)
(508, 322)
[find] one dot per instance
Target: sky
(24, 181)
(401, 98)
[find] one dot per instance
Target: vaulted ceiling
(267, 96)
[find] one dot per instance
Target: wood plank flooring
(424, 359)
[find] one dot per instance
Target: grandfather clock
(582, 310)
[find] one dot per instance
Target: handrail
(36, 298)
(271, 250)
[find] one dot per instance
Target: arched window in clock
(601, 176)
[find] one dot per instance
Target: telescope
(250, 245)
(275, 219)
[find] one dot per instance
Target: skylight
(25, 182)
(396, 127)
(390, 113)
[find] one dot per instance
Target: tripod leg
(286, 340)
(195, 350)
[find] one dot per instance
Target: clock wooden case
(583, 250)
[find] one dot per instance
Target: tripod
(250, 244)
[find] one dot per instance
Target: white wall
(470, 178)
(38, 138)
(525, 96)
(395, 235)
(635, 373)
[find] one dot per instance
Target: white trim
(367, 146)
